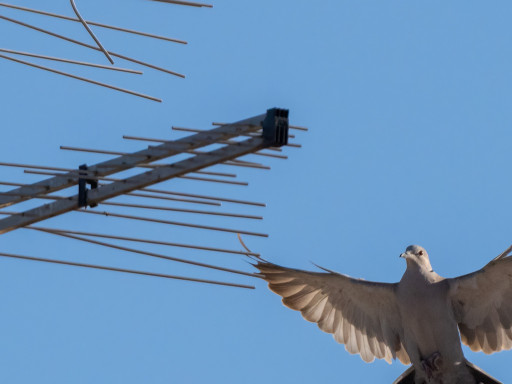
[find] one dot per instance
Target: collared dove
(420, 320)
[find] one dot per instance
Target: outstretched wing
(482, 303)
(360, 314)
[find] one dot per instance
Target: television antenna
(90, 189)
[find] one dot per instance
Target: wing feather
(482, 303)
(362, 315)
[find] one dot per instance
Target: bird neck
(416, 270)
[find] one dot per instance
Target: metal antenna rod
(170, 198)
(183, 129)
(40, 196)
(199, 226)
(126, 137)
(93, 23)
(90, 46)
(69, 61)
(84, 23)
(290, 126)
(8, 213)
(142, 206)
(124, 270)
(254, 153)
(293, 145)
(242, 183)
(189, 3)
(19, 165)
(36, 195)
(247, 165)
(61, 169)
(77, 176)
(205, 197)
(225, 214)
(81, 78)
(299, 128)
(189, 151)
(222, 174)
(151, 254)
(156, 242)
(291, 136)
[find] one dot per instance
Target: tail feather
(407, 377)
(480, 376)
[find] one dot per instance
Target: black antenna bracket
(83, 180)
(275, 127)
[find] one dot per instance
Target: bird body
(419, 320)
(430, 332)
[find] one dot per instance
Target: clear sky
(408, 105)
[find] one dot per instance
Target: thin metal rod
(92, 176)
(205, 197)
(94, 23)
(254, 165)
(127, 137)
(166, 141)
(222, 174)
(237, 160)
(298, 127)
(145, 273)
(142, 195)
(91, 33)
(270, 155)
(18, 165)
(291, 136)
(109, 178)
(184, 129)
(243, 183)
(157, 242)
(145, 253)
(174, 223)
(9, 213)
(108, 152)
(159, 165)
(69, 61)
(225, 214)
(13, 184)
(170, 198)
(100, 151)
(189, 3)
(38, 196)
(90, 46)
(290, 126)
(81, 78)
(72, 174)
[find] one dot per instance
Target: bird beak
(402, 255)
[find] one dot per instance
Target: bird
(420, 320)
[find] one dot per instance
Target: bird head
(416, 255)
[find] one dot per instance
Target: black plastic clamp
(83, 180)
(275, 127)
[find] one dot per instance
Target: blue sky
(408, 105)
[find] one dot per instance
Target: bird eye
(420, 253)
